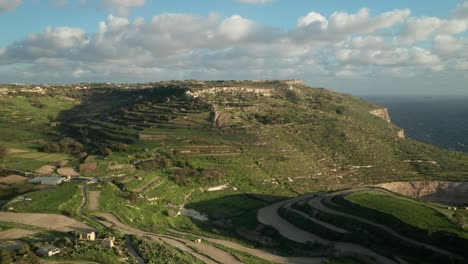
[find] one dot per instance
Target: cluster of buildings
(50, 251)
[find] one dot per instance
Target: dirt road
(269, 216)
(257, 252)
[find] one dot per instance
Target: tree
(5, 257)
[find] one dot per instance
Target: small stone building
(108, 242)
(48, 251)
(88, 236)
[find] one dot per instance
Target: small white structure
(88, 236)
(48, 180)
(194, 214)
(218, 188)
(48, 251)
(108, 242)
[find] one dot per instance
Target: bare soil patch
(67, 171)
(49, 221)
(46, 169)
(88, 167)
(13, 179)
(93, 203)
(13, 151)
(9, 239)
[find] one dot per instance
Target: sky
(362, 47)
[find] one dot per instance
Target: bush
(66, 145)
(3, 152)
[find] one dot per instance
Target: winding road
(269, 216)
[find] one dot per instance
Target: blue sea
(441, 121)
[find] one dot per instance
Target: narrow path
(128, 243)
(257, 252)
(182, 246)
(215, 255)
(146, 186)
(132, 251)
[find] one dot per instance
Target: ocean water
(441, 121)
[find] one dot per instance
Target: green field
(411, 212)
(63, 199)
(263, 147)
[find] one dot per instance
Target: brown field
(49, 221)
(13, 151)
(94, 200)
(9, 239)
(67, 171)
(13, 179)
(88, 167)
(46, 169)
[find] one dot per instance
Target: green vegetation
(155, 252)
(3, 152)
(160, 147)
(64, 199)
(411, 212)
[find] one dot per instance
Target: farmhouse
(48, 251)
(108, 242)
(88, 236)
(48, 180)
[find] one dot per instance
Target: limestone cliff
(434, 191)
(381, 113)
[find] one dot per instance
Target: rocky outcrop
(455, 193)
(381, 113)
(294, 82)
(401, 133)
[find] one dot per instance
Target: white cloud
(421, 28)
(461, 12)
(450, 46)
(8, 5)
(315, 26)
(345, 46)
(236, 28)
(313, 18)
(122, 7)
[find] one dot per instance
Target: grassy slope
(278, 146)
(411, 212)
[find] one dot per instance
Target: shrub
(3, 152)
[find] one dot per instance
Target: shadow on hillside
(235, 216)
(110, 115)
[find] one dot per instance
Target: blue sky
(361, 47)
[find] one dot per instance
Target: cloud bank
(9, 5)
(335, 50)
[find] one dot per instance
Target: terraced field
(369, 226)
(157, 149)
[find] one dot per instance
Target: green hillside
(223, 148)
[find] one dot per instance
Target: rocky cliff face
(455, 193)
(294, 82)
(381, 113)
